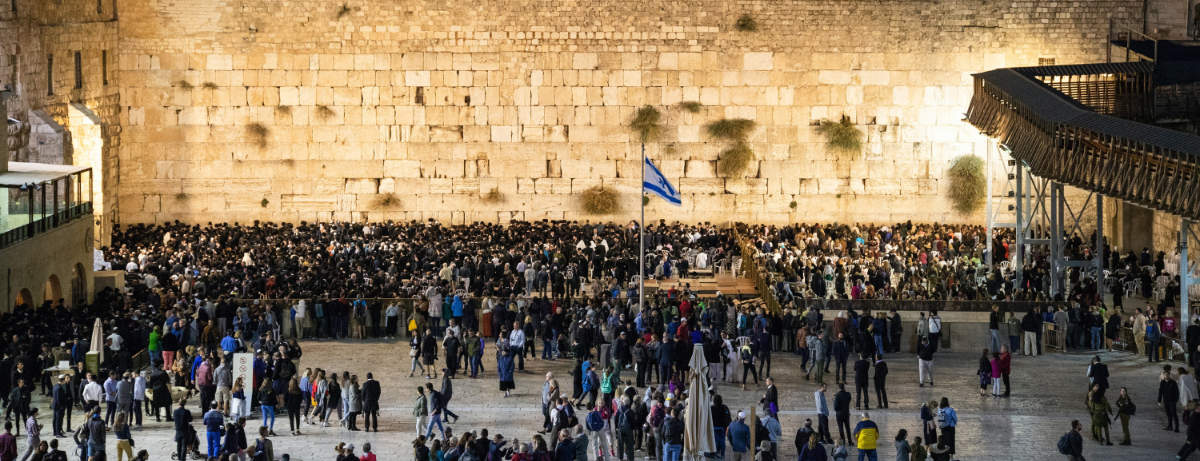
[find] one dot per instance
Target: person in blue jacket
(739, 438)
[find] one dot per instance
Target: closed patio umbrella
(97, 345)
(698, 427)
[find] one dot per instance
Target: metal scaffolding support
(1044, 219)
(1001, 198)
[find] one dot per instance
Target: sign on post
(243, 367)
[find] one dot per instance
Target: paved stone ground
(1048, 393)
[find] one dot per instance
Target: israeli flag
(656, 183)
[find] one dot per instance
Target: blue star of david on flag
(656, 183)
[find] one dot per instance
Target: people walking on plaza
(436, 410)
(1153, 334)
(929, 424)
(739, 439)
(353, 403)
(8, 443)
(822, 405)
(370, 404)
(880, 378)
(812, 450)
(214, 423)
(33, 433)
(841, 410)
(1005, 361)
(184, 433)
(935, 329)
(124, 437)
(421, 409)
(1125, 410)
(925, 362)
(60, 403)
(1097, 373)
(504, 370)
(995, 374)
(1101, 413)
(947, 422)
(1168, 398)
(995, 319)
(1192, 418)
(1031, 324)
(866, 435)
(903, 449)
(841, 355)
(1074, 442)
(984, 372)
(862, 397)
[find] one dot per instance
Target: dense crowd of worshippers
(567, 285)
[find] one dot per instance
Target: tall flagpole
(642, 239)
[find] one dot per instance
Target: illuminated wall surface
(316, 110)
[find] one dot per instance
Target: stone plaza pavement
(1048, 392)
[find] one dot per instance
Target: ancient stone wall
(317, 110)
(39, 40)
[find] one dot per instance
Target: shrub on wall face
(842, 135)
(734, 160)
(967, 183)
(600, 201)
(645, 123)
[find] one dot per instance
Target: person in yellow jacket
(866, 433)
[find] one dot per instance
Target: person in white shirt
(516, 343)
(935, 329)
(391, 317)
(131, 267)
(115, 340)
(300, 318)
(93, 393)
(139, 396)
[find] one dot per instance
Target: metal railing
(44, 224)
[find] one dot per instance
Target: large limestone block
(743, 186)
(699, 169)
(758, 61)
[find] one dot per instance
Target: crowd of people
(198, 294)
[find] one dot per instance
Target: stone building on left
(58, 155)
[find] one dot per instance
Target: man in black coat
(183, 430)
(370, 402)
(881, 372)
(841, 410)
(61, 403)
(862, 397)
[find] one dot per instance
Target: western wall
(317, 110)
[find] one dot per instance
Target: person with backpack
(597, 428)
(1125, 410)
(263, 450)
(1071, 443)
(625, 425)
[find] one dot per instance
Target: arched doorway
(78, 285)
(24, 297)
(53, 289)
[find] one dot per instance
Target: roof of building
(21, 173)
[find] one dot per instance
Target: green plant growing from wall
(746, 23)
(733, 160)
(645, 200)
(792, 205)
(285, 110)
(209, 86)
(646, 123)
(691, 106)
(344, 10)
(598, 200)
(324, 112)
(387, 201)
(258, 134)
(182, 196)
(184, 84)
(493, 196)
(967, 183)
(841, 136)
(264, 202)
